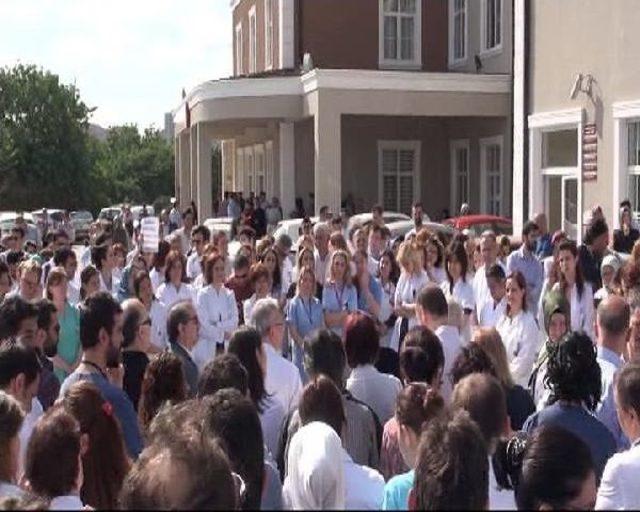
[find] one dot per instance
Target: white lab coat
(521, 338)
(218, 314)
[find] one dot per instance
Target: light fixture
(582, 83)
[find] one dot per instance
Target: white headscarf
(316, 474)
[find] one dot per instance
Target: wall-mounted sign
(590, 152)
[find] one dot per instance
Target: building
(577, 109)
(386, 100)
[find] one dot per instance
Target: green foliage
(48, 158)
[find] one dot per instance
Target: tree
(45, 151)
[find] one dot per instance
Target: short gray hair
(262, 314)
(321, 227)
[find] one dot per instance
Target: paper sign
(150, 231)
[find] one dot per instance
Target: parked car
(218, 224)
(109, 213)
(136, 211)
(8, 221)
(81, 221)
(402, 227)
(291, 227)
(479, 223)
(361, 220)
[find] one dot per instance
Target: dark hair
(324, 354)
(200, 465)
(570, 246)
(435, 241)
(416, 405)
(496, 271)
(85, 275)
(52, 463)
(394, 275)
(421, 356)
(432, 300)
(138, 278)
(627, 382)
(277, 275)
(245, 342)
(201, 230)
(573, 372)
(556, 463)
(62, 255)
(105, 464)
(159, 258)
(13, 311)
(240, 262)
(224, 371)
(11, 418)
(14, 257)
(471, 359)
(131, 317)
(97, 312)
(257, 272)
(614, 319)
(321, 401)
(16, 359)
(163, 382)
(172, 258)
(45, 309)
(457, 250)
(98, 255)
(361, 340)
(233, 419)
(452, 471)
(18, 229)
(529, 227)
(597, 228)
(188, 211)
(483, 397)
(179, 314)
(520, 280)
(209, 262)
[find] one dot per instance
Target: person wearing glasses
(183, 330)
(200, 236)
(136, 345)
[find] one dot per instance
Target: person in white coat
(494, 308)
(217, 312)
(576, 290)
(619, 489)
(175, 287)
(519, 330)
(457, 286)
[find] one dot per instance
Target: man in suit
(182, 330)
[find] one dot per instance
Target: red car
(480, 223)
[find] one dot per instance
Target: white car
(218, 224)
(402, 227)
(361, 220)
(291, 227)
(136, 211)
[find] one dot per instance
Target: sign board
(150, 231)
(590, 152)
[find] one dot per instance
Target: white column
(177, 178)
(287, 188)
(204, 200)
(328, 160)
(536, 180)
(185, 168)
(518, 166)
(286, 23)
(193, 192)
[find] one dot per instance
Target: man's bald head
(613, 316)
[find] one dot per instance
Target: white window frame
(624, 112)
(269, 166)
(253, 41)
(455, 145)
(249, 170)
(238, 177)
(268, 34)
(484, 50)
(453, 61)
(484, 174)
(414, 145)
(259, 170)
(416, 62)
(239, 50)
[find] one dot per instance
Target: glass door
(570, 206)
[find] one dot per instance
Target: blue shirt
(376, 291)
(544, 248)
(583, 424)
(305, 316)
(335, 300)
(122, 407)
(396, 492)
(610, 363)
(533, 272)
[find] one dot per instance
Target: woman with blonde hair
(339, 296)
(412, 279)
(519, 403)
(68, 354)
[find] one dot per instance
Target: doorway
(561, 200)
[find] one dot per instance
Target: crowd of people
(343, 371)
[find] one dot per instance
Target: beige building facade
(577, 114)
(414, 103)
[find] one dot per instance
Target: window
(253, 43)
(491, 190)
(459, 174)
(398, 163)
(239, 49)
(400, 33)
(633, 164)
(268, 34)
(260, 183)
(268, 156)
(457, 31)
(238, 182)
(491, 25)
(248, 170)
